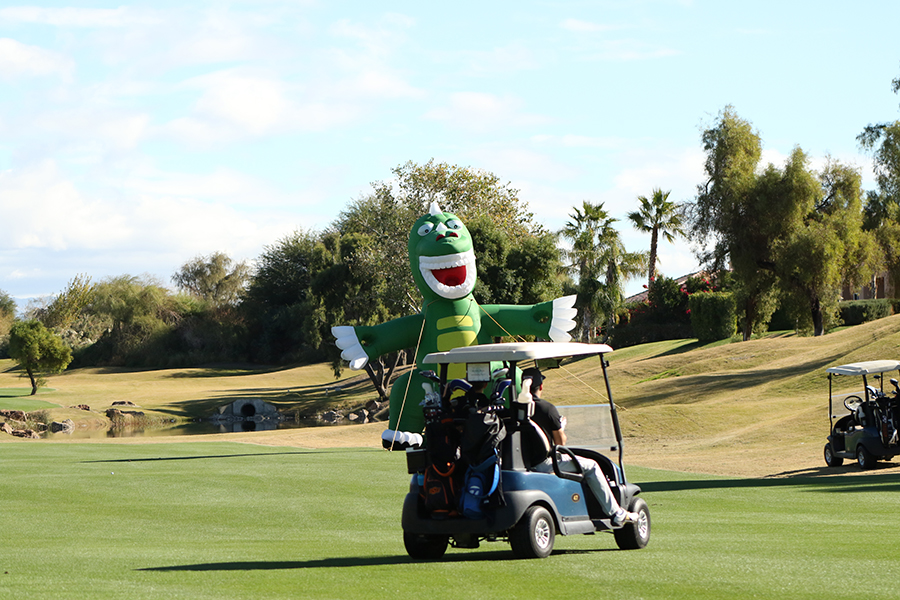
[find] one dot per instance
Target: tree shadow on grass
(689, 389)
(826, 481)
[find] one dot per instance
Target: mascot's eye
(454, 224)
(426, 229)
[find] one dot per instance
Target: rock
(360, 416)
(123, 403)
(67, 426)
(82, 407)
(114, 414)
(332, 416)
(6, 428)
(30, 434)
(13, 415)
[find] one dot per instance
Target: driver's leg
(596, 480)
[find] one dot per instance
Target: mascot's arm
(360, 344)
(553, 319)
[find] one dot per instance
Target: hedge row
(855, 312)
(713, 316)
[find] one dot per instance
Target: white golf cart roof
(865, 368)
(516, 351)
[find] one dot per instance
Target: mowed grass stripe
(230, 520)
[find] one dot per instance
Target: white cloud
(48, 211)
(579, 141)
(221, 35)
(378, 39)
(627, 50)
(91, 125)
(377, 83)
(255, 104)
(17, 58)
(479, 111)
(580, 26)
(645, 168)
(77, 17)
(502, 60)
(152, 219)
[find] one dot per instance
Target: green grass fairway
(229, 520)
(10, 400)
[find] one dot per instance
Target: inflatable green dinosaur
(443, 266)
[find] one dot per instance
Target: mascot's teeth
(446, 262)
(428, 264)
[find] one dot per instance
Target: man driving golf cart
(502, 494)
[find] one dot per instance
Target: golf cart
(511, 501)
(870, 431)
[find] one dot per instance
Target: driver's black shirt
(546, 415)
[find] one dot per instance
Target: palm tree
(619, 266)
(584, 260)
(657, 216)
(600, 261)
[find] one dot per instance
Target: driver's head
(537, 379)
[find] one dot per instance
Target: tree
(883, 140)
(585, 261)
(135, 312)
(740, 218)
(599, 260)
(215, 279)
(7, 316)
(657, 216)
(66, 307)
(619, 266)
(383, 219)
(277, 301)
(830, 248)
(37, 350)
(882, 208)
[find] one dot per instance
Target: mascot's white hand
(346, 340)
(562, 321)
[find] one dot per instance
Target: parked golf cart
(868, 432)
(518, 504)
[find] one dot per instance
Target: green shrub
(855, 312)
(713, 316)
(668, 301)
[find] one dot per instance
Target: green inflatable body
(443, 266)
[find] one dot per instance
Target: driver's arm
(559, 437)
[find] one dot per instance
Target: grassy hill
(749, 408)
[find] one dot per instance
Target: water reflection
(193, 427)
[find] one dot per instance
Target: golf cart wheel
(534, 534)
(634, 536)
(865, 458)
(830, 459)
(425, 547)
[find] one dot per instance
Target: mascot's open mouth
(451, 276)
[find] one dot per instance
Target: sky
(137, 136)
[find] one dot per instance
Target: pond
(195, 427)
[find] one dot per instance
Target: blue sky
(136, 136)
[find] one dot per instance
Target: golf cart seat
(535, 445)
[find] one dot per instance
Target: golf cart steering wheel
(851, 403)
